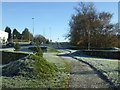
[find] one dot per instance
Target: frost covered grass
(58, 61)
(58, 81)
(109, 67)
(49, 71)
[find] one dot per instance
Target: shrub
(17, 47)
(43, 68)
(35, 49)
(47, 42)
(39, 52)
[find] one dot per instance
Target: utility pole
(50, 32)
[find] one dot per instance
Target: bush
(47, 42)
(17, 47)
(39, 52)
(43, 68)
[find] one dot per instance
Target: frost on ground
(83, 76)
(20, 74)
(108, 67)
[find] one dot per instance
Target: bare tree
(87, 26)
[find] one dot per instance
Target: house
(3, 36)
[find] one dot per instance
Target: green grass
(63, 67)
(42, 67)
(53, 50)
(23, 42)
(53, 58)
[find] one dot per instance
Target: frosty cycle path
(82, 75)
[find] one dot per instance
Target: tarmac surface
(82, 75)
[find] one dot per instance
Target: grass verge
(53, 50)
(37, 72)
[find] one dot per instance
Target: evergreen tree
(8, 30)
(26, 34)
(16, 34)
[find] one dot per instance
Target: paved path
(82, 76)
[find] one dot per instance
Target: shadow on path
(96, 71)
(84, 72)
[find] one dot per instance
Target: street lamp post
(118, 15)
(33, 26)
(50, 32)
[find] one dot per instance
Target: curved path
(82, 75)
